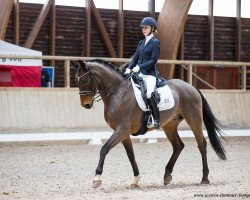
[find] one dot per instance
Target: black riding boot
(155, 112)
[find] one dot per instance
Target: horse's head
(85, 82)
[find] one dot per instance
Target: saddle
(160, 82)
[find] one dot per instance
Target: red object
(20, 76)
(18, 72)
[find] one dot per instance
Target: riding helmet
(148, 21)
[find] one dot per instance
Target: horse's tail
(212, 125)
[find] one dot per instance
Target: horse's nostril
(88, 106)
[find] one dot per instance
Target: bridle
(94, 91)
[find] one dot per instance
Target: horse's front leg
(130, 152)
(116, 137)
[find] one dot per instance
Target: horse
(99, 78)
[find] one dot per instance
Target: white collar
(148, 37)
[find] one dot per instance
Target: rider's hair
(155, 32)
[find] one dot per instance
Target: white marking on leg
(136, 180)
(97, 177)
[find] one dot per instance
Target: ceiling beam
(5, 12)
(38, 24)
(171, 22)
(103, 32)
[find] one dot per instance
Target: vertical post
(181, 55)
(151, 8)
(244, 78)
(238, 32)
(67, 73)
(53, 32)
(190, 74)
(87, 40)
(211, 29)
(120, 29)
(16, 21)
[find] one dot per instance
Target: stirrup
(151, 122)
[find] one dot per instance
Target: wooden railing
(189, 63)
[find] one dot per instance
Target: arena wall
(32, 110)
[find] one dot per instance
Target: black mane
(109, 64)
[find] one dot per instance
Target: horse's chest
(112, 116)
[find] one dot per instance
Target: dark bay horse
(123, 115)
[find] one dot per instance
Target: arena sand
(64, 170)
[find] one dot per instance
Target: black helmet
(148, 21)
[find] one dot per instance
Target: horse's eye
(83, 81)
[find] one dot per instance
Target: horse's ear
(74, 64)
(82, 64)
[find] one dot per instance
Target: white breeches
(150, 82)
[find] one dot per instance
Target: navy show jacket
(146, 56)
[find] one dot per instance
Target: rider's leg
(155, 112)
(150, 82)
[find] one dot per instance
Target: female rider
(144, 61)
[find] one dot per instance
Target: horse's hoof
(134, 186)
(205, 181)
(167, 179)
(96, 184)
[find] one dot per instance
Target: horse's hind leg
(130, 152)
(194, 119)
(171, 132)
(202, 145)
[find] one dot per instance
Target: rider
(144, 61)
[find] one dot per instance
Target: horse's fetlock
(168, 171)
(98, 172)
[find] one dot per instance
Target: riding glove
(136, 69)
(127, 71)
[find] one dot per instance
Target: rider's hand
(136, 69)
(127, 71)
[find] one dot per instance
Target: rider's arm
(135, 58)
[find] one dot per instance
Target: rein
(119, 84)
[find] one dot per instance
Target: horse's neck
(107, 78)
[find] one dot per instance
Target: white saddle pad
(167, 99)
